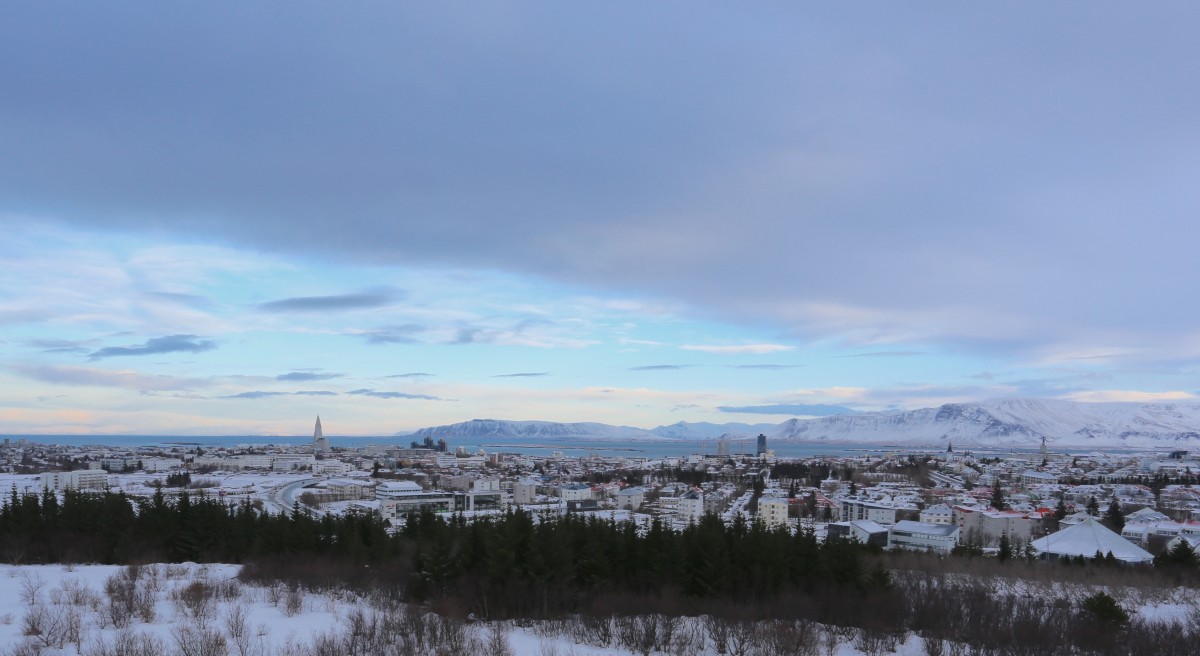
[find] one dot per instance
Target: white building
(854, 509)
(773, 512)
(291, 461)
(938, 514)
(524, 492)
(630, 498)
(690, 506)
(575, 492)
(80, 479)
(922, 536)
(1087, 538)
(330, 467)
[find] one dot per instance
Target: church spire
(320, 442)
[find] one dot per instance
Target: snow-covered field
(186, 609)
(203, 609)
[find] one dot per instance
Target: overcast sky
(230, 217)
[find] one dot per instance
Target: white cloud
(1132, 396)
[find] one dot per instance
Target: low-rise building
(773, 512)
(630, 498)
(923, 536)
(854, 508)
(80, 479)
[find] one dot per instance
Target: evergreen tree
(1093, 507)
(1006, 551)
(997, 500)
(1113, 517)
(1060, 511)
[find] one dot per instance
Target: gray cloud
(530, 374)
(90, 377)
(661, 367)
(19, 316)
(307, 376)
(393, 395)
(261, 394)
(733, 166)
(357, 301)
(794, 409)
(883, 354)
(255, 395)
(394, 334)
(471, 336)
(415, 374)
(60, 345)
(156, 345)
(766, 366)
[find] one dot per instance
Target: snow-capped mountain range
(1003, 422)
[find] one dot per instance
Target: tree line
(509, 565)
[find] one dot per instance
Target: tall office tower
(762, 445)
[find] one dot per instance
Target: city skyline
(229, 220)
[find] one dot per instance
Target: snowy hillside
(999, 423)
(1012, 422)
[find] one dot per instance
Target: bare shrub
(74, 592)
(227, 590)
(743, 638)
(452, 637)
(235, 620)
(276, 593)
(637, 634)
(293, 601)
(196, 601)
(592, 630)
(789, 639)
(26, 648)
(873, 642)
(52, 626)
(199, 641)
(547, 648)
(934, 647)
(31, 588)
(171, 572)
(126, 597)
(126, 643)
(497, 641)
(718, 630)
(687, 639)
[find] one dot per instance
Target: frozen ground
(169, 610)
(70, 610)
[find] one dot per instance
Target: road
(280, 499)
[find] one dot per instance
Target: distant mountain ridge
(999, 423)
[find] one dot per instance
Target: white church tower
(320, 442)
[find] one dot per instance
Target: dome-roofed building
(1087, 538)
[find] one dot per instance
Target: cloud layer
(157, 346)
